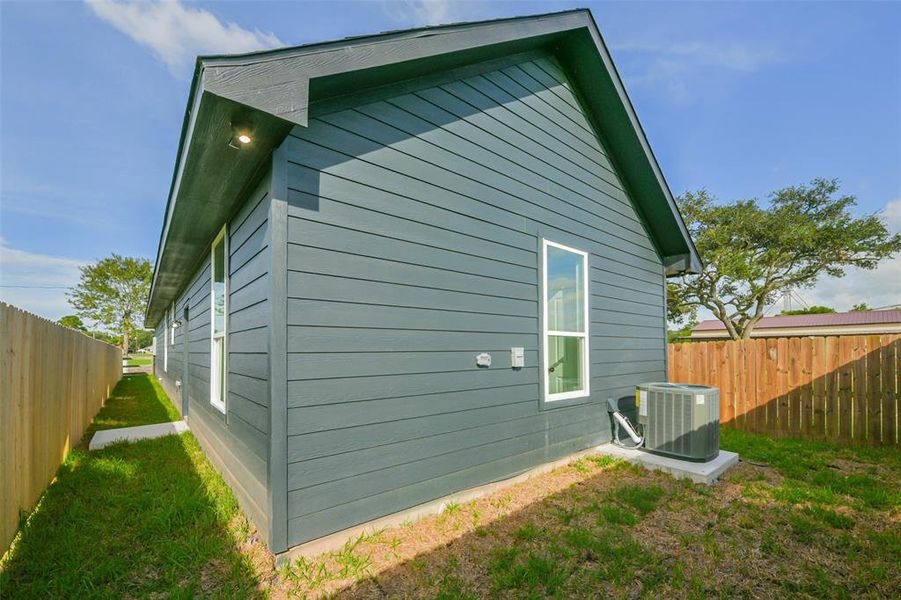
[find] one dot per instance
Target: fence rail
(830, 388)
(53, 380)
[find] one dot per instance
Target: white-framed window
(219, 319)
(168, 322)
(565, 312)
(172, 324)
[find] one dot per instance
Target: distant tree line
(140, 338)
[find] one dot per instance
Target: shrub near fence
(843, 388)
(53, 380)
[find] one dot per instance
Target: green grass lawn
(797, 519)
(137, 400)
(151, 518)
(794, 519)
(138, 360)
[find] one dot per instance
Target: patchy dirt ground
(796, 519)
(825, 524)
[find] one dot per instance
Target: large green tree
(72, 322)
(142, 338)
(113, 292)
(753, 253)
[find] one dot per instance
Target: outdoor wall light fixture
(240, 136)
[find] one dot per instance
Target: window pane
(219, 287)
(220, 388)
(564, 364)
(218, 372)
(565, 311)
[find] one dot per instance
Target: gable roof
(272, 91)
(871, 317)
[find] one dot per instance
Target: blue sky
(740, 98)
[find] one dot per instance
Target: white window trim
(218, 403)
(546, 333)
(166, 343)
(172, 324)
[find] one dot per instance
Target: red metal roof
(871, 317)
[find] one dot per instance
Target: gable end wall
(413, 243)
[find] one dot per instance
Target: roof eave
(209, 179)
(275, 99)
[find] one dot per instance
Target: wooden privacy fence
(843, 388)
(53, 380)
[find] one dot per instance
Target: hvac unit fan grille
(681, 420)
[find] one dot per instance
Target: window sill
(568, 400)
(566, 396)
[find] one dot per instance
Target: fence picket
(891, 356)
(832, 388)
(873, 377)
(859, 389)
(53, 380)
(818, 372)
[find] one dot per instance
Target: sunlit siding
(414, 231)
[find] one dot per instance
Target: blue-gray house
(400, 266)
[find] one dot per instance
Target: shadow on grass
(133, 520)
(151, 518)
(136, 400)
(564, 534)
(821, 528)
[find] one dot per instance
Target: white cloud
(672, 66)
(879, 287)
(419, 12)
(37, 282)
(176, 33)
(891, 214)
(728, 55)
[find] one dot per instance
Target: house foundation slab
(335, 541)
(706, 472)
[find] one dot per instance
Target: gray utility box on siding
(680, 420)
(398, 267)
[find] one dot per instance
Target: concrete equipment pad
(706, 473)
(134, 434)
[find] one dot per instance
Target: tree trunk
(125, 340)
(730, 329)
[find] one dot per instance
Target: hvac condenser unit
(680, 420)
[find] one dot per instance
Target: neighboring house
(354, 227)
(849, 323)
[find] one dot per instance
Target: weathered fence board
(831, 388)
(53, 380)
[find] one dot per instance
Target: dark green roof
(272, 91)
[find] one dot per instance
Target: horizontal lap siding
(173, 370)
(237, 443)
(414, 227)
(159, 335)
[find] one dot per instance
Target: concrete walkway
(133, 434)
